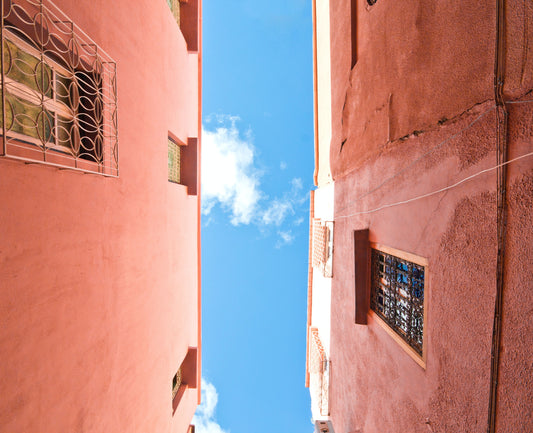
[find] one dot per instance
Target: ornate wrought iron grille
(319, 243)
(58, 91)
(174, 162)
(397, 296)
(323, 246)
(174, 6)
(176, 383)
(319, 372)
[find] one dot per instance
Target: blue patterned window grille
(397, 296)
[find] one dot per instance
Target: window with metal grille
(176, 383)
(58, 101)
(185, 378)
(174, 162)
(319, 243)
(174, 6)
(397, 296)
(187, 14)
(319, 372)
(323, 246)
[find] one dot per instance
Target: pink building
(420, 289)
(100, 221)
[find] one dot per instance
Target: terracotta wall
(99, 276)
(414, 115)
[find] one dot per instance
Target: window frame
(188, 374)
(325, 251)
(75, 128)
(420, 359)
(25, 93)
(173, 140)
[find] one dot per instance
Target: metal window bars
(323, 246)
(319, 372)
(174, 162)
(397, 296)
(58, 91)
(176, 383)
(319, 242)
(174, 6)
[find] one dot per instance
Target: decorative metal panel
(328, 256)
(174, 162)
(176, 383)
(397, 296)
(174, 6)
(59, 91)
(319, 243)
(319, 372)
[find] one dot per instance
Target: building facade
(424, 126)
(100, 238)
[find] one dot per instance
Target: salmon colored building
(100, 222)
(421, 239)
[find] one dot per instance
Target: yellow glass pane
(28, 119)
(64, 128)
(27, 69)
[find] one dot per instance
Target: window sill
(177, 398)
(420, 360)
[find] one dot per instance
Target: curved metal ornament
(59, 98)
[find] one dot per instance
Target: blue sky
(257, 172)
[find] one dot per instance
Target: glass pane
(28, 119)
(64, 128)
(27, 69)
(63, 88)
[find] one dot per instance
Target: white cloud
(297, 184)
(229, 176)
(204, 417)
(299, 221)
(277, 211)
(285, 238)
(231, 179)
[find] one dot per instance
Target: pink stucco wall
(422, 90)
(100, 276)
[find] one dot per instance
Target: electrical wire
(398, 203)
(525, 101)
(437, 146)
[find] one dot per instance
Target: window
(58, 92)
(174, 6)
(183, 162)
(323, 246)
(176, 383)
(174, 161)
(185, 378)
(187, 14)
(319, 372)
(398, 283)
